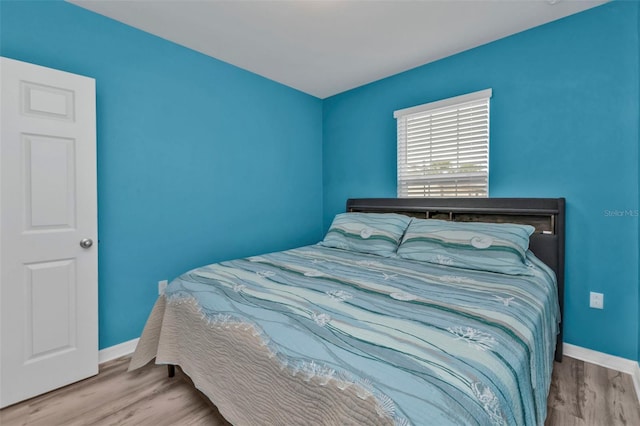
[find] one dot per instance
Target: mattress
(319, 335)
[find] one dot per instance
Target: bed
(332, 335)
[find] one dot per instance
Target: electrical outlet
(162, 285)
(596, 300)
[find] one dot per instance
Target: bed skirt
(233, 366)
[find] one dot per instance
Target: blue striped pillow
(495, 247)
(374, 233)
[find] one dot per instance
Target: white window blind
(443, 147)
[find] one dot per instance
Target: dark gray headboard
(545, 214)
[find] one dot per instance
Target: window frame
(481, 100)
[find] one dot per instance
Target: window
(443, 147)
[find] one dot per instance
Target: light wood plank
(557, 417)
(114, 396)
(612, 393)
(567, 392)
(593, 395)
(625, 408)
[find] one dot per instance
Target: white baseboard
(116, 351)
(636, 380)
(613, 362)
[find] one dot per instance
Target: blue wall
(564, 123)
(198, 161)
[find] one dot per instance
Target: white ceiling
(325, 47)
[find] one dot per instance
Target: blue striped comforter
(434, 344)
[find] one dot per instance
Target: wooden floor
(581, 394)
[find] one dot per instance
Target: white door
(48, 205)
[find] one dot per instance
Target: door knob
(86, 243)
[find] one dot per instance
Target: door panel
(48, 201)
(49, 182)
(50, 294)
(47, 102)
